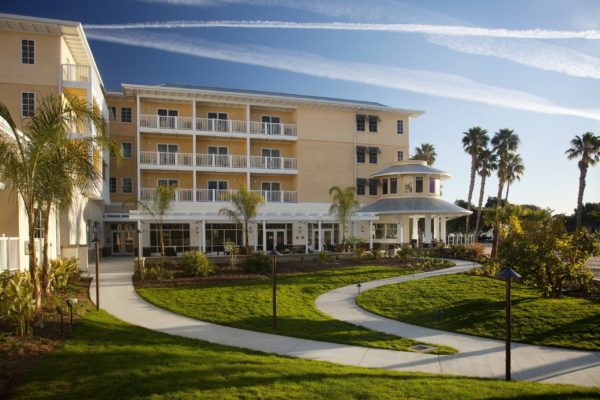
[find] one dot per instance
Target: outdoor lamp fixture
(508, 274)
(138, 232)
(97, 247)
(273, 253)
(61, 312)
(71, 303)
(359, 286)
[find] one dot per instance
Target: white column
(399, 227)
(414, 234)
(443, 229)
(255, 236)
(428, 229)
(203, 230)
(371, 234)
(264, 236)
(436, 228)
(248, 146)
(320, 237)
(137, 147)
(307, 237)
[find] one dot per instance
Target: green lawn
(108, 359)
(475, 305)
(248, 305)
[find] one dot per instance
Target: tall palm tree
(425, 153)
(474, 142)
(244, 207)
(343, 205)
(487, 163)
(505, 141)
(514, 170)
(587, 148)
(157, 208)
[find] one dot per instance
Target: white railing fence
(76, 73)
(460, 238)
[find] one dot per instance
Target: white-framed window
(400, 127)
(27, 104)
(126, 115)
(419, 184)
(360, 186)
(373, 120)
(271, 124)
(217, 121)
(385, 231)
(220, 150)
(166, 118)
(126, 185)
(393, 185)
(400, 155)
(373, 151)
(360, 154)
(112, 114)
(372, 187)
(167, 182)
(127, 149)
(112, 184)
(217, 185)
(27, 51)
(360, 122)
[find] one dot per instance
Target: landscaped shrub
(195, 263)
(158, 271)
(405, 253)
(257, 263)
(324, 257)
(16, 301)
(233, 251)
(359, 252)
(475, 251)
(62, 270)
(489, 268)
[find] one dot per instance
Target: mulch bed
(19, 355)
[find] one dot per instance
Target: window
(271, 125)
(360, 122)
(400, 155)
(379, 231)
(373, 119)
(271, 158)
(27, 104)
(372, 187)
(360, 186)
(385, 231)
(127, 149)
(167, 118)
(219, 234)
(385, 186)
(373, 151)
(217, 150)
(419, 184)
(400, 127)
(126, 185)
(175, 236)
(27, 52)
(126, 114)
(217, 121)
(167, 153)
(167, 182)
(393, 185)
(112, 185)
(112, 115)
(360, 154)
(432, 184)
(271, 191)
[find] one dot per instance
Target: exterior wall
(234, 146)
(10, 95)
(123, 132)
(286, 117)
(286, 149)
(9, 217)
(150, 178)
(234, 181)
(184, 109)
(287, 182)
(233, 112)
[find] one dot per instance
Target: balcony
(273, 129)
(157, 158)
(220, 125)
(160, 122)
(274, 163)
(216, 195)
(220, 161)
(72, 73)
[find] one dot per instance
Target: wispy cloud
(445, 30)
(425, 82)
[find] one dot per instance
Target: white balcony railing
(220, 160)
(184, 195)
(76, 73)
(166, 159)
(273, 129)
(166, 123)
(210, 195)
(277, 196)
(275, 163)
(220, 125)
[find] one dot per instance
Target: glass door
(167, 153)
(271, 158)
(117, 245)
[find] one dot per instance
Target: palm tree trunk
(582, 175)
(34, 272)
(481, 194)
(500, 189)
(45, 258)
(162, 239)
(247, 241)
(471, 188)
(506, 196)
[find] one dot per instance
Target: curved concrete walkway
(118, 297)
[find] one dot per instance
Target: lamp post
(138, 232)
(274, 255)
(97, 248)
(508, 274)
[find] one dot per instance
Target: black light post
(138, 232)
(508, 274)
(97, 244)
(274, 255)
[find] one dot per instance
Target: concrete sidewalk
(478, 357)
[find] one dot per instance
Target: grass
(109, 359)
(247, 305)
(475, 305)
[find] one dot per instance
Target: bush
(233, 251)
(63, 270)
(359, 252)
(405, 253)
(257, 263)
(475, 251)
(158, 271)
(16, 301)
(489, 268)
(324, 257)
(195, 263)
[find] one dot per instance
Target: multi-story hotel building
(291, 149)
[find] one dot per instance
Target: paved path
(483, 359)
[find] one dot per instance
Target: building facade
(290, 149)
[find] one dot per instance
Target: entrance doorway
(123, 239)
(276, 239)
(327, 238)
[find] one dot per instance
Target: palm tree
(474, 141)
(425, 153)
(343, 205)
(158, 208)
(514, 170)
(245, 206)
(587, 148)
(487, 163)
(505, 141)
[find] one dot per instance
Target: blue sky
(546, 89)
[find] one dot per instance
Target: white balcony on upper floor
(273, 164)
(73, 73)
(158, 160)
(218, 161)
(217, 195)
(273, 130)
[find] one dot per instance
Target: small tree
(233, 251)
(158, 208)
(343, 205)
(244, 207)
